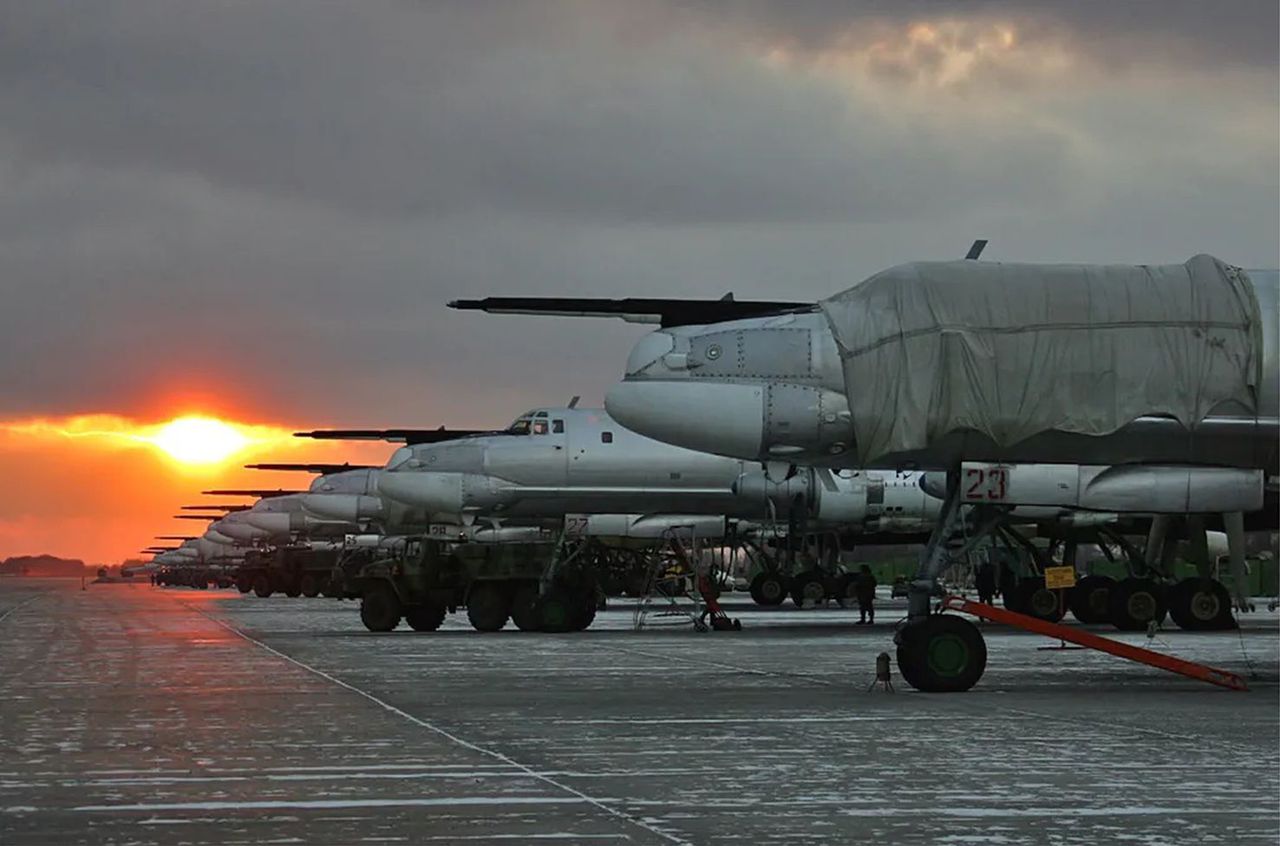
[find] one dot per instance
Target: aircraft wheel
(309, 585)
(1134, 603)
(809, 589)
(262, 586)
(1088, 600)
(587, 614)
(1200, 605)
(524, 608)
(425, 618)
(943, 654)
(558, 610)
(488, 606)
(769, 588)
(1035, 600)
(380, 608)
(846, 591)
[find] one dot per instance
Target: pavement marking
(28, 601)
(596, 803)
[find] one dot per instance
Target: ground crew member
(864, 589)
(984, 580)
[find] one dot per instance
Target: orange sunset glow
(100, 486)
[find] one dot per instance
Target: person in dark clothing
(865, 592)
(984, 580)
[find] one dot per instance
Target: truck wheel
(488, 607)
(846, 591)
(293, 590)
(1089, 599)
(524, 609)
(380, 608)
(262, 586)
(309, 585)
(244, 584)
(424, 618)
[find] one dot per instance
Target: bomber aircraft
(1147, 389)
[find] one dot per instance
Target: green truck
(537, 586)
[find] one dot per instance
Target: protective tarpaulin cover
(1012, 350)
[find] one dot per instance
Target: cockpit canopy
(530, 423)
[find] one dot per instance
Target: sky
(257, 211)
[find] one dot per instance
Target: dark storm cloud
(276, 198)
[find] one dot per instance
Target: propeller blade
(673, 312)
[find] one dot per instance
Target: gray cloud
(276, 199)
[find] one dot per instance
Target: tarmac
(139, 715)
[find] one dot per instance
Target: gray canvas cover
(1012, 350)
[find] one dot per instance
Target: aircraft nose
(274, 523)
(217, 536)
(345, 507)
(433, 491)
(720, 418)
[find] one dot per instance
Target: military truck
(291, 570)
(535, 585)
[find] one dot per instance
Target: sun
(199, 440)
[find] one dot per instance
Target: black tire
(1134, 603)
(1089, 600)
(809, 589)
(846, 591)
(488, 606)
(293, 589)
(943, 654)
(262, 586)
(769, 589)
(558, 610)
(1201, 605)
(309, 585)
(424, 618)
(1035, 600)
(524, 609)
(380, 609)
(587, 613)
(244, 584)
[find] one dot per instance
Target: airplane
(578, 465)
(1147, 389)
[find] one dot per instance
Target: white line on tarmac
(19, 605)
(614, 812)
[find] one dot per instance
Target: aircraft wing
(395, 436)
(664, 312)
(227, 508)
(205, 517)
(321, 469)
(258, 492)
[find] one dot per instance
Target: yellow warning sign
(1059, 578)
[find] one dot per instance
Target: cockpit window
(522, 425)
(540, 427)
(557, 426)
(399, 457)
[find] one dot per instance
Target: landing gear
(488, 606)
(769, 588)
(941, 654)
(425, 618)
(809, 589)
(380, 608)
(1136, 603)
(1089, 599)
(558, 610)
(1035, 600)
(524, 608)
(1201, 604)
(309, 584)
